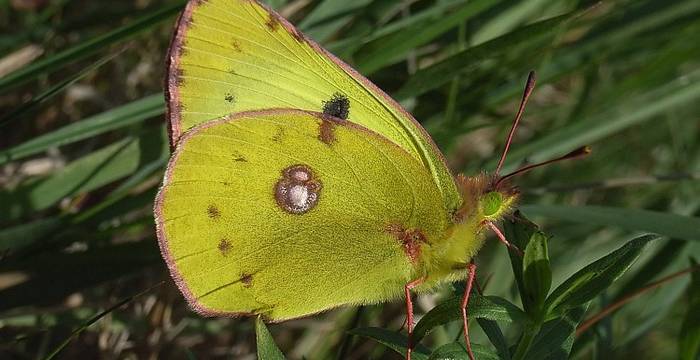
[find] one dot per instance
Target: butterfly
(296, 185)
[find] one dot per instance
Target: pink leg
(465, 303)
(409, 314)
(502, 238)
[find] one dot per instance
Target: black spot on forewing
(213, 212)
(230, 98)
(273, 23)
(338, 106)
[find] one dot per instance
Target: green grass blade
(59, 274)
(89, 47)
(672, 225)
(689, 344)
(52, 91)
(90, 172)
(442, 72)
(676, 93)
(383, 51)
(95, 319)
(118, 117)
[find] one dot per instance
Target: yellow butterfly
(296, 185)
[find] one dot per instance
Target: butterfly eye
(492, 203)
(298, 190)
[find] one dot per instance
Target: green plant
(83, 149)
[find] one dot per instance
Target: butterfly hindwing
(286, 213)
(231, 56)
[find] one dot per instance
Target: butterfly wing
(232, 56)
(286, 213)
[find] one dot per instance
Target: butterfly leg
(502, 238)
(471, 268)
(409, 314)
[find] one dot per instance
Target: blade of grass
(608, 310)
(672, 225)
(442, 72)
(87, 173)
(97, 318)
(89, 47)
(122, 116)
(384, 51)
(53, 91)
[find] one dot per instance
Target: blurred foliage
(83, 150)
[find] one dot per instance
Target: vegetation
(83, 149)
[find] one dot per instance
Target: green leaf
(689, 344)
(519, 231)
(537, 274)
(487, 307)
(393, 340)
(89, 47)
(118, 117)
(458, 351)
(590, 281)
(267, 349)
(671, 225)
(495, 335)
(556, 337)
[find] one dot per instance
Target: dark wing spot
(230, 98)
(224, 246)
(179, 77)
(272, 22)
(278, 135)
(411, 240)
(247, 279)
(213, 212)
(326, 132)
(238, 157)
(338, 106)
(236, 46)
(298, 190)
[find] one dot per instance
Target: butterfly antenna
(529, 87)
(582, 151)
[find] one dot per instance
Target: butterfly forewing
(230, 56)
